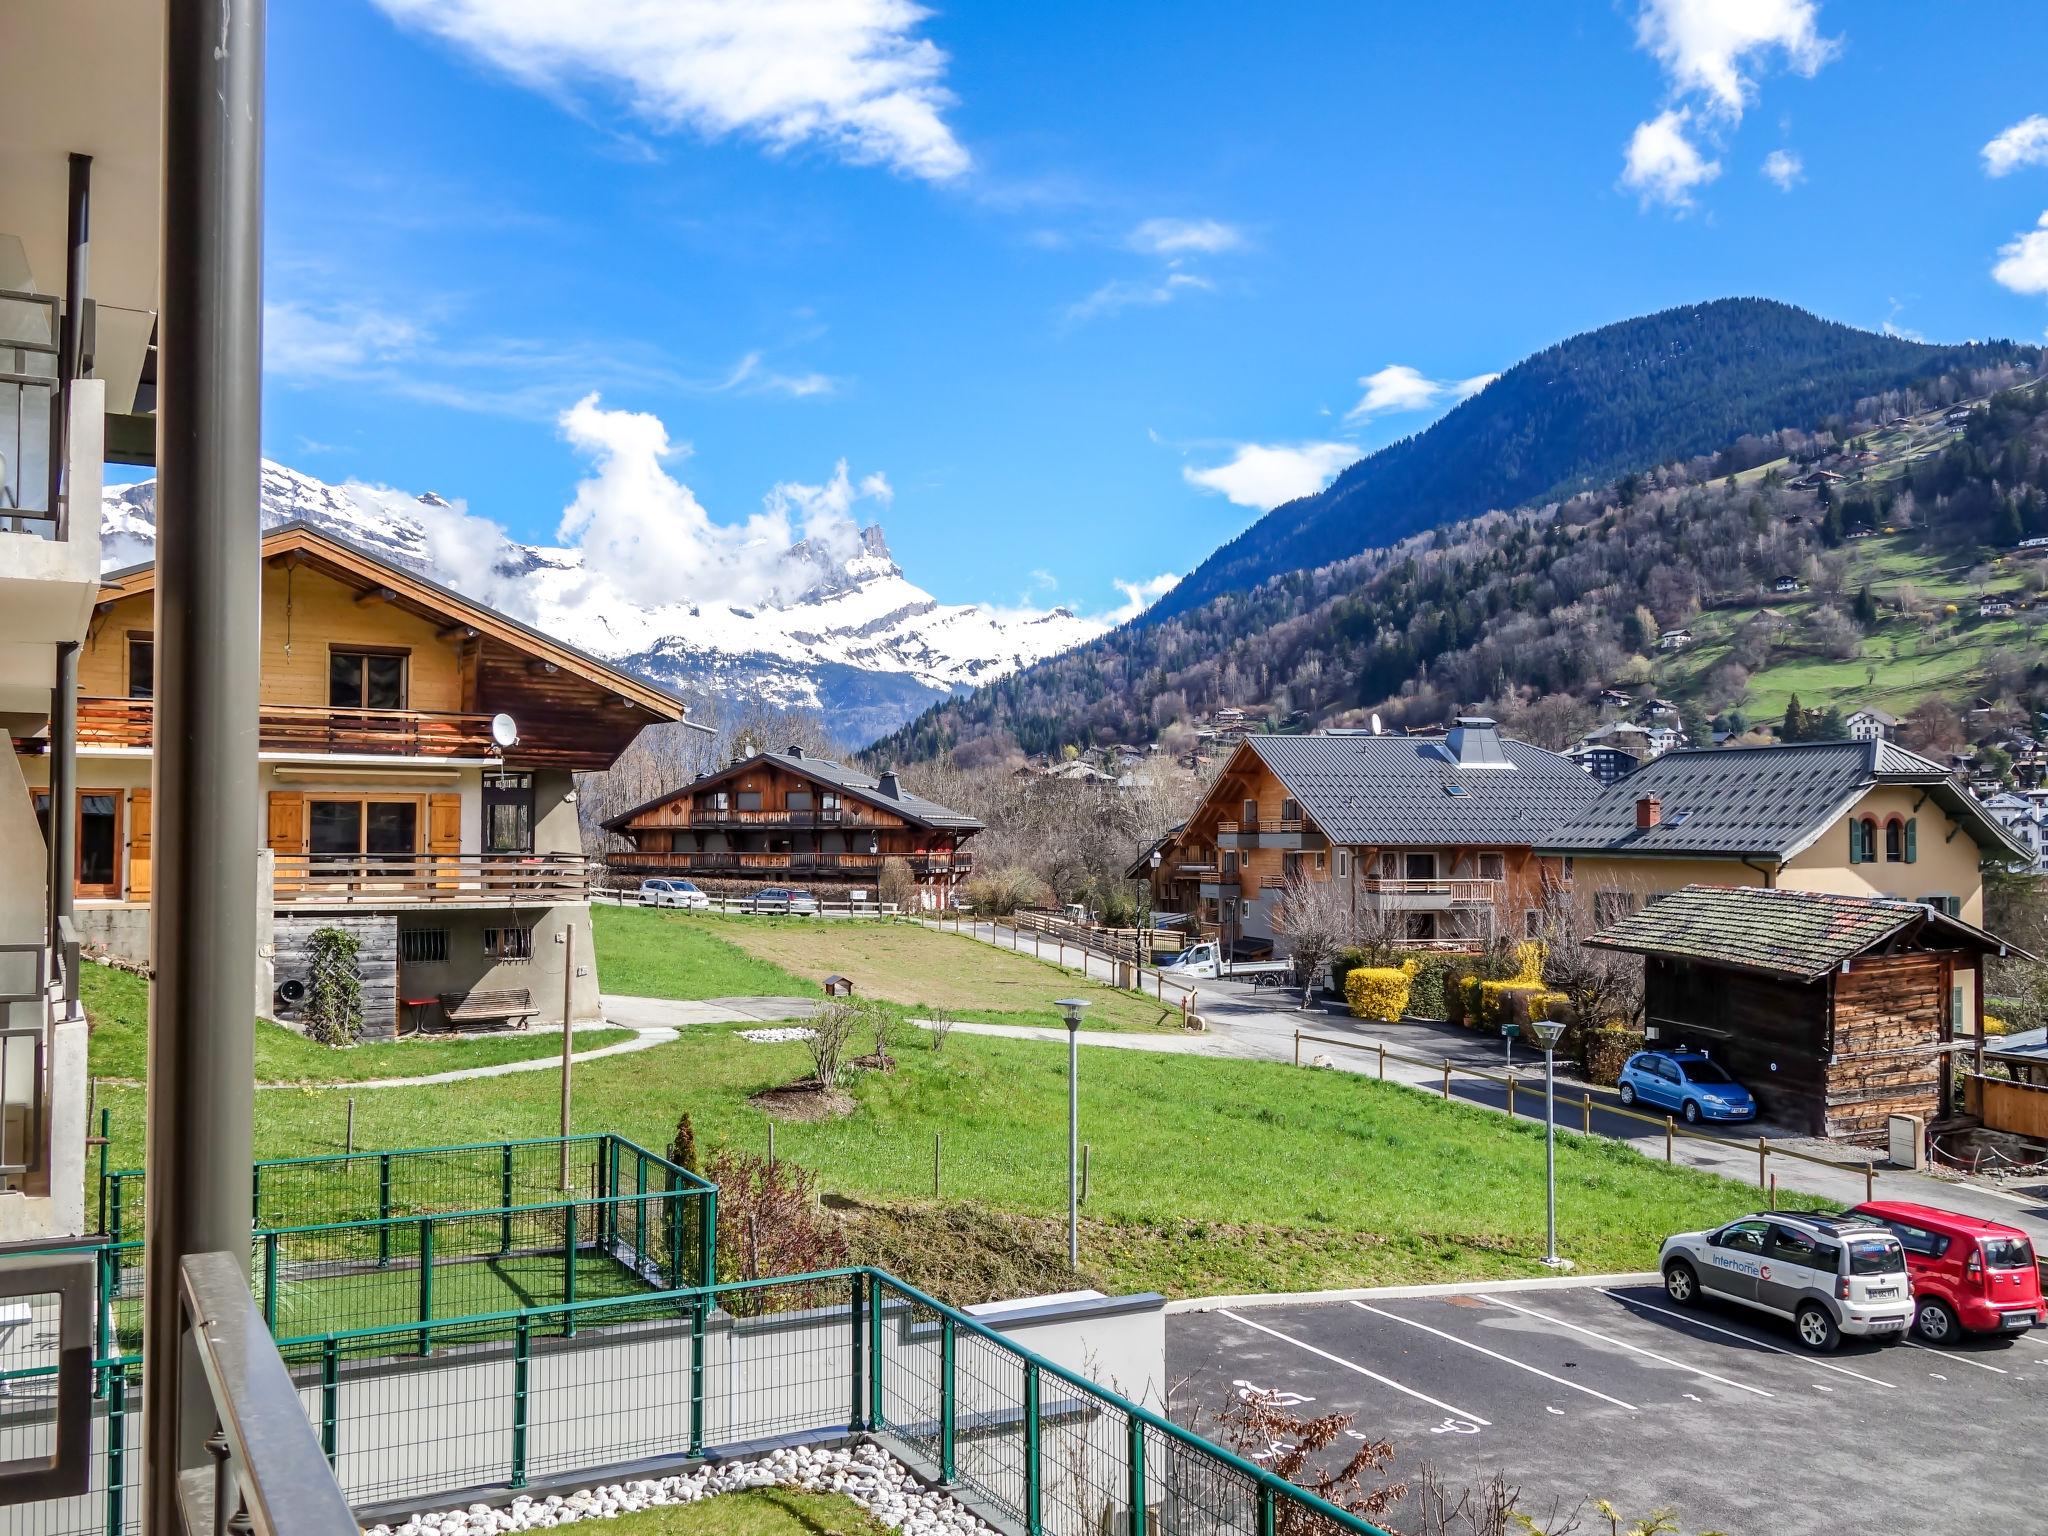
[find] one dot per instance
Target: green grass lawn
(755, 1512)
(117, 1002)
(647, 952)
(1208, 1175)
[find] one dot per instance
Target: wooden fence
(2004, 1105)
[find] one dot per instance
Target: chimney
(796, 750)
(1649, 812)
(887, 784)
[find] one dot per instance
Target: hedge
(1428, 987)
(1378, 991)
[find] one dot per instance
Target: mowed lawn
(117, 1003)
(646, 952)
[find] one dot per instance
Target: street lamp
(1547, 1032)
(1070, 1010)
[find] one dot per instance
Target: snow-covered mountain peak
(858, 641)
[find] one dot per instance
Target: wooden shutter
(286, 837)
(1912, 839)
(138, 845)
(1855, 841)
(444, 837)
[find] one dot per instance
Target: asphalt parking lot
(1594, 1392)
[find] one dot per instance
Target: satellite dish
(504, 731)
(1376, 723)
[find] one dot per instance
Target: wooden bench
(488, 1006)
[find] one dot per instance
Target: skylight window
(1454, 789)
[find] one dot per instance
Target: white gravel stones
(866, 1474)
(776, 1036)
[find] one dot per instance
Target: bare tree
(1603, 986)
(1317, 919)
(1257, 1425)
(832, 1029)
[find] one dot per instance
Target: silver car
(1828, 1275)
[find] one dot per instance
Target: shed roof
(1769, 802)
(1799, 935)
(1471, 785)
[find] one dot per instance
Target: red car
(1969, 1275)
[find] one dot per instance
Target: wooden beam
(540, 668)
(455, 631)
(291, 560)
(375, 595)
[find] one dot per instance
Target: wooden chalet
(416, 754)
(1834, 1011)
(780, 818)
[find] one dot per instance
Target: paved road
(1595, 1393)
(1258, 1023)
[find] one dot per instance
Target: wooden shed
(1835, 1011)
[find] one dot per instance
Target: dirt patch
(804, 1101)
(873, 1063)
(961, 1252)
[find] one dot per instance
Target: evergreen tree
(1866, 607)
(1794, 728)
(1827, 727)
(1693, 721)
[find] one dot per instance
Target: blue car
(1686, 1082)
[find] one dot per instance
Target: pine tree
(1866, 607)
(1794, 728)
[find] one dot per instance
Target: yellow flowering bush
(1378, 991)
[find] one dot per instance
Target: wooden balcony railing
(107, 722)
(706, 816)
(1457, 892)
(823, 866)
(427, 879)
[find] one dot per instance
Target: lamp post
(1547, 1032)
(1070, 1010)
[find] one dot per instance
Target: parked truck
(1206, 962)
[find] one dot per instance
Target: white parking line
(1959, 1359)
(1349, 1365)
(1491, 1354)
(1747, 1338)
(1624, 1344)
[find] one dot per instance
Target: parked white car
(1829, 1275)
(673, 893)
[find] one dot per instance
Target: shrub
(1502, 1002)
(1467, 992)
(1427, 991)
(1341, 967)
(832, 1030)
(1993, 1025)
(1606, 1049)
(770, 1223)
(897, 886)
(1377, 992)
(1529, 958)
(334, 1012)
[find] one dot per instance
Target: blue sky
(1070, 290)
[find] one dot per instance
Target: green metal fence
(581, 1387)
(412, 1181)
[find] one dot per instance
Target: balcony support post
(63, 786)
(203, 915)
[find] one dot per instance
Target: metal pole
(63, 789)
(1550, 1150)
(203, 908)
(1073, 1144)
(70, 333)
(568, 998)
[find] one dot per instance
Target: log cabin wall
(1890, 1016)
(1770, 1033)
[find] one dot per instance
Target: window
(508, 943)
(1744, 1237)
(366, 679)
(1532, 923)
(422, 946)
(1251, 813)
(1929, 1245)
(748, 800)
(1949, 906)
(797, 800)
(1863, 841)
(1290, 810)
(141, 666)
(1493, 866)
(1230, 863)
(1419, 866)
(508, 813)
(1894, 841)
(1343, 864)
(1319, 858)
(386, 828)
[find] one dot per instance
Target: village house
(1429, 835)
(1836, 1011)
(1872, 724)
(1674, 639)
(1607, 764)
(776, 818)
(1856, 818)
(417, 758)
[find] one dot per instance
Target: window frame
(363, 802)
(508, 945)
(145, 640)
(364, 654)
(439, 946)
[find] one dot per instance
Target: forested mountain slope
(1894, 521)
(1626, 397)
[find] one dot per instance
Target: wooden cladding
(305, 880)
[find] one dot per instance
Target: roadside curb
(1401, 1292)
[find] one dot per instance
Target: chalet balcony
(738, 865)
(104, 722)
(1429, 895)
(843, 816)
(1291, 835)
(1215, 889)
(374, 882)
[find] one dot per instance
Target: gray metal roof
(1763, 802)
(1418, 791)
(862, 786)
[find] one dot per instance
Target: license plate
(1882, 1292)
(2017, 1320)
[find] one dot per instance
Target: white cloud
(1711, 48)
(1662, 164)
(1125, 293)
(1785, 169)
(852, 75)
(1181, 237)
(302, 341)
(2025, 143)
(1891, 326)
(1140, 595)
(645, 533)
(1263, 475)
(1398, 387)
(751, 376)
(2023, 261)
